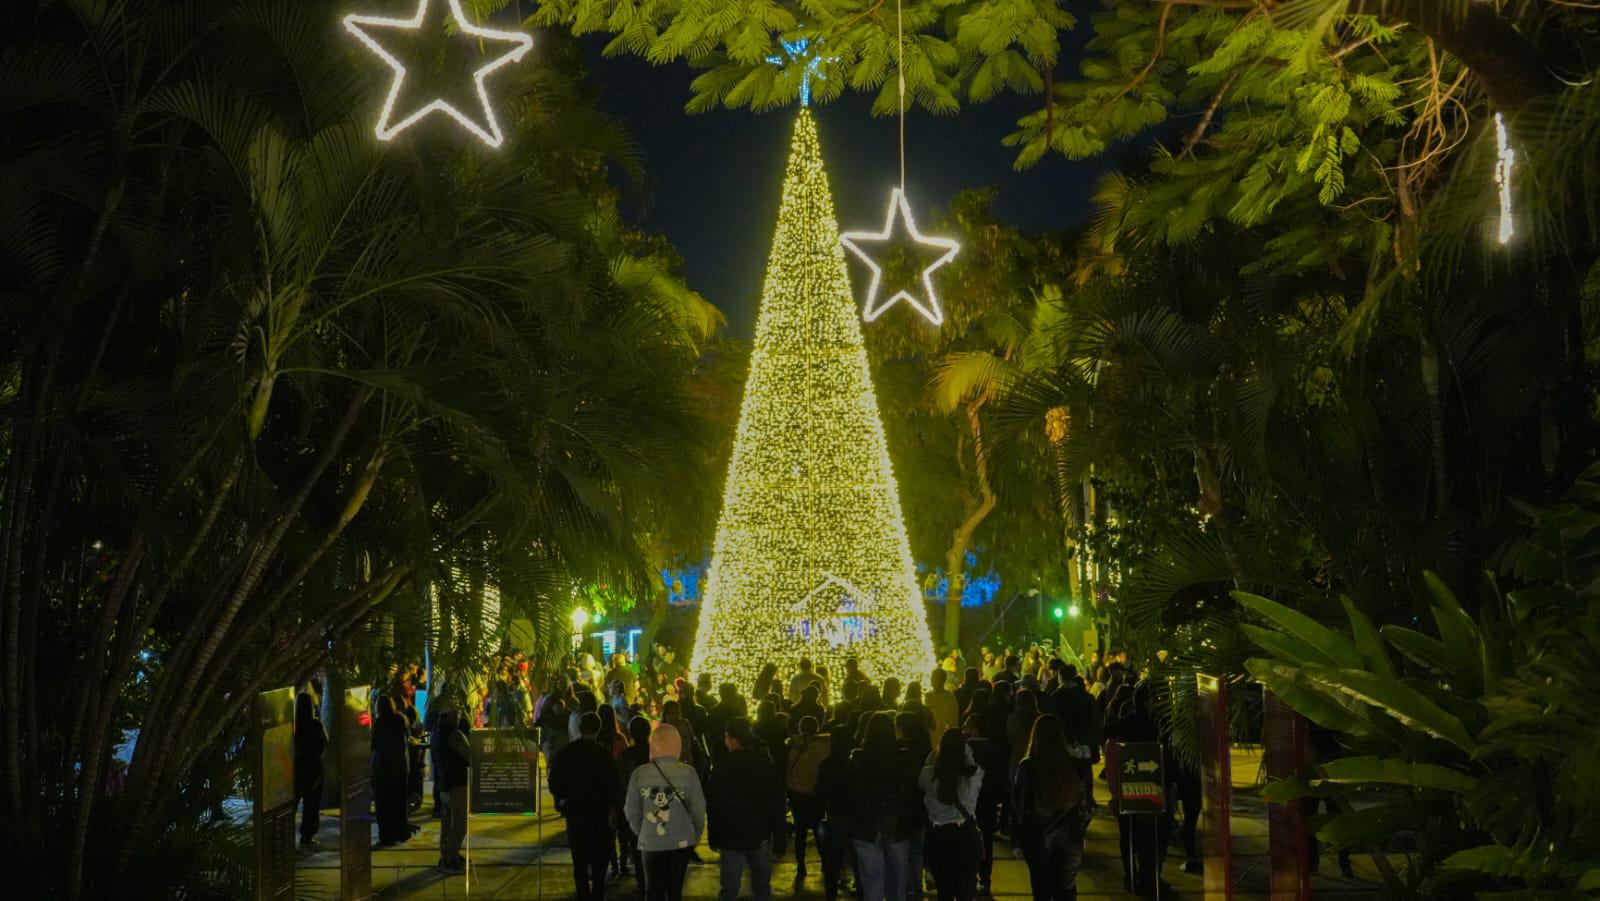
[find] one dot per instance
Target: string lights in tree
(900, 207)
(486, 127)
(811, 557)
(1504, 159)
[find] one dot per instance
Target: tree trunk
(956, 556)
(1511, 69)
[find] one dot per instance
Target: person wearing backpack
(807, 751)
(666, 807)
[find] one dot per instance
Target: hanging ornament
(484, 126)
(1505, 158)
(900, 207)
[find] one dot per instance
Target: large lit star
(901, 208)
(488, 130)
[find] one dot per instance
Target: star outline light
(492, 135)
(899, 205)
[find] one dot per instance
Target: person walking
(452, 754)
(991, 758)
(880, 788)
(666, 808)
(951, 783)
(807, 751)
(390, 772)
(637, 755)
(834, 802)
(585, 784)
(1047, 799)
(310, 740)
(746, 810)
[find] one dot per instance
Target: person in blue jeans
(746, 808)
(885, 805)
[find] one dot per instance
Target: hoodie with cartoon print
(665, 805)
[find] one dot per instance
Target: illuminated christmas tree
(811, 558)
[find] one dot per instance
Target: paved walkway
(525, 857)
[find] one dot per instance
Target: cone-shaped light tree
(811, 557)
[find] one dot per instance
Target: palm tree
(268, 379)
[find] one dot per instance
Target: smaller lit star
(488, 131)
(899, 206)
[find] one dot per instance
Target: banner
(353, 738)
(273, 804)
(1216, 785)
(1283, 734)
(505, 771)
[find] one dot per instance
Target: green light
(599, 618)
(1059, 612)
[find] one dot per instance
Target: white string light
(899, 205)
(900, 208)
(489, 130)
(1505, 158)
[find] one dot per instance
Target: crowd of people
(898, 789)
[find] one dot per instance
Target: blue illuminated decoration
(683, 583)
(978, 590)
(796, 50)
(835, 613)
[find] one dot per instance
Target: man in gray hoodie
(666, 808)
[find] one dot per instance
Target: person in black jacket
(717, 718)
(745, 808)
(310, 740)
(452, 755)
(585, 786)
(391, 769)
(991, 758)
(833, 796)
(883, 787)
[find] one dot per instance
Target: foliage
(269, 383)
(1476, 733)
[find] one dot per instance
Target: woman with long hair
(610, 737)
(1019, 726)
(765, 681)
(950, 783)
(882, 788)
(1047, 801)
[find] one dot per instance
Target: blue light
(796, 50)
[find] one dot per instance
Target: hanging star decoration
(794, 51)
(486, 127)
(900, 208)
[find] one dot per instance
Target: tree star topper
(898, 205)
(488, 132)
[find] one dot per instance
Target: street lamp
(580, 618)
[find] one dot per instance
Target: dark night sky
(715, 177)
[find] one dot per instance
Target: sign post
(1216, 786)
(505, 772)
(354, 739)
(274, 801)
(1139, 796)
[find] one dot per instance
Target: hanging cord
(900, 73)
